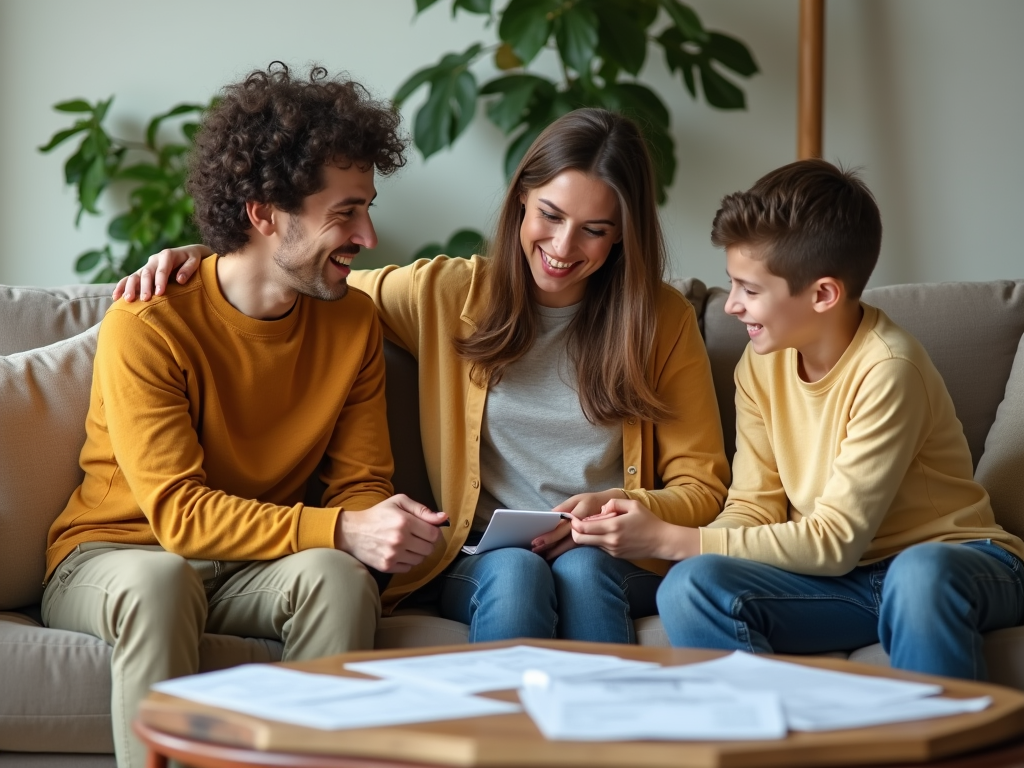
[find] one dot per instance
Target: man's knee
(163, 587)
(329, 572)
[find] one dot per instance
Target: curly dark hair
(268, 139)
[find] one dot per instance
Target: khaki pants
(153, 606)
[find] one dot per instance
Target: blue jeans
(928, 606)
(585, 594)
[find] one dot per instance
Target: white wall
(924, 94)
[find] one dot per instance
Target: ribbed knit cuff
(317, 526)
(713, 541)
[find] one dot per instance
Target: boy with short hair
(853, 515)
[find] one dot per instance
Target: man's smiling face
(321, 239)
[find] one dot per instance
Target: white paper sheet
(493, 670)
(326, 702)
(821, 699)
(838, 718)
(628, 709)
(801, 685)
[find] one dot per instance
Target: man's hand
(392, 536)
(554, 543)
(151, 278)
(629, 530)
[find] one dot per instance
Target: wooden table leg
(154, 759)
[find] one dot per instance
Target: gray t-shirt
(537, 448)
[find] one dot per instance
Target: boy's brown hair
(808, 220)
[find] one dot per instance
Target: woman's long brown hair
(609, 341)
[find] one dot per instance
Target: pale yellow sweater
(677, 469)
(204, 425)
(853, 468)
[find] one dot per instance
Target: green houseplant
(159, 210)
(600, 46)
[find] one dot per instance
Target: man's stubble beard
(305, 273)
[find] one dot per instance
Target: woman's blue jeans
(928, 606)
(585, 594)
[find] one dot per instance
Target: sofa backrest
(970, 330)
(35, 317)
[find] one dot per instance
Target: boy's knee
(699, 571)
(921, 568)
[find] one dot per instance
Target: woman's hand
(151, 279)
(553, 543)
(629, 530)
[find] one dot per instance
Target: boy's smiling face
(775, 319)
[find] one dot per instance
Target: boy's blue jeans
(927, 605)
(584, 594)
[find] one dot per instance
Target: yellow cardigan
(677, 469)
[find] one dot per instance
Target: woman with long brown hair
(558, 371)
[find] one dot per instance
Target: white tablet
(515, 528)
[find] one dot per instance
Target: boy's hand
(554, 543)
(151, 278)
(627, 529)
(392, 536)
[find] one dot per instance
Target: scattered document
(327, 702)
(627, 709)
(820, 699)
(801, 685)
(836, 718)
(469, 672)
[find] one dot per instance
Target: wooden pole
(811, 78)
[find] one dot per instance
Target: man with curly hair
(213, 404)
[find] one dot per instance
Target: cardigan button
(631, 470)
(465, 523)
(632, 420)
(475, 483)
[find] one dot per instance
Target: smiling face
(775, 319)
(569, 227)
(321, 239)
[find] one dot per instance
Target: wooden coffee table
(208, 737)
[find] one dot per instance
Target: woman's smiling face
(569, 227)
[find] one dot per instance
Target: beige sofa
(55, 685)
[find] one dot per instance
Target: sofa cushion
(37, 317)
(1001, 469)
(45, 396)
(62, 680)
(971, 331)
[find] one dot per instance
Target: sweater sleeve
(888, 421)
(689, 450)
(359, 463)
(153, 433)
(394, 292)
(756, 496)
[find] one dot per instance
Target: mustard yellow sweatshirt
(850, 469)
(677, 469)
(204, 425)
